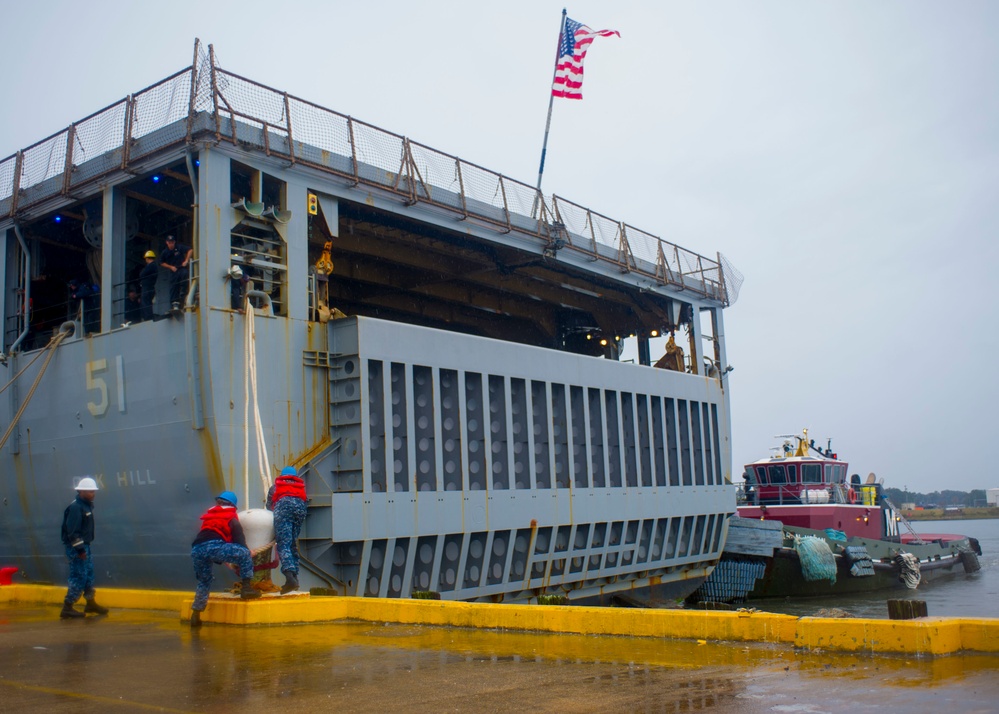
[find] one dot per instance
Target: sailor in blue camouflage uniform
(287, 499)
(220, 540)
(77, 534)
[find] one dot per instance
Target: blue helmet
(227, 496)
(289, 471)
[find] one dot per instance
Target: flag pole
(548, 121)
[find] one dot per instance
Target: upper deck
(206, 102)
(429, 238)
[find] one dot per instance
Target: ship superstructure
(435, 346)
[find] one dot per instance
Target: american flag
(572, 45)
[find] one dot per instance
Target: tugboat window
(777, 474)
(792, 473)
(811, 473)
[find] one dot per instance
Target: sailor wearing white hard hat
(77, 534)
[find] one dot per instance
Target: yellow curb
(108, 597)
(924, 636)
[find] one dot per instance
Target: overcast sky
(843, 155)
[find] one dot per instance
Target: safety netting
(207, 98)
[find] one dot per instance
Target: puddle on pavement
(151, 660)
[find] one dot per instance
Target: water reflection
(145, 661)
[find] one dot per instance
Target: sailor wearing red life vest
(220, 540)
(287, 499)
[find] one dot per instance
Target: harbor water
(961, 595)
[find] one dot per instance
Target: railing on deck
(216, 102)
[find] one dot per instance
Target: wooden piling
(906, 609)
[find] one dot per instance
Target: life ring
(851, 495)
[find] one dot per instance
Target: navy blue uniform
(287, 499)
(211, 547)
(77, 534)
(174, 258)
(147, 283)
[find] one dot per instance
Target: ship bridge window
(761, 474)
(811, 473)
(835, 473)
(777, 474)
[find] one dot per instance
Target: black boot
(93, 607)
(68, 611)
(290, 582)
(195, 619)
(248, 593)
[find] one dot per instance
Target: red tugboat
(803, 528)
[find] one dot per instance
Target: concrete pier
(149, 660)
(920, 637)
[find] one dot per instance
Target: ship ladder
(51, 349)
(895, 511)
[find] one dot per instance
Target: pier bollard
(258, 526)
(906, 609)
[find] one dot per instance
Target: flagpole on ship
(548, 121)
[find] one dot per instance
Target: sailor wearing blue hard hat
(220, 540)
(287, 499)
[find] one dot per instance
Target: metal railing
(206, 100)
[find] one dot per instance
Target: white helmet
(87, 484)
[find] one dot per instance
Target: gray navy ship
(437, 348)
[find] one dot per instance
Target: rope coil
(908, 570)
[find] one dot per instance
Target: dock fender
(970, 561)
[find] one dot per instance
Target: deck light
(654, 333)
(156, 179)
(58, 219)
(603, 343)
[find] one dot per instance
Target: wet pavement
(141, 661)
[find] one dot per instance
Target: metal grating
(431, 430)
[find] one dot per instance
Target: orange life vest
(288, 486)
(217, 518)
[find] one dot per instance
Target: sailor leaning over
(220, 540)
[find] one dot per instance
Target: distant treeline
(938, 499)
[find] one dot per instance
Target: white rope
(51, 349)
(247, 344)
(250, 393)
